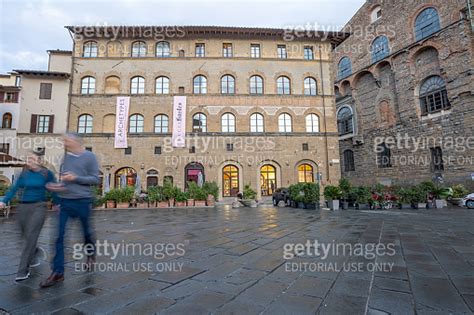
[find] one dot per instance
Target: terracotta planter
(110, 204)
(123, 205)
(163, 204)
(180, 203)
(171, 202)
(190, 202)
(211, 200)
(142, 205)
(199, 203)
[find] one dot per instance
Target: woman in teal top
(31, 188)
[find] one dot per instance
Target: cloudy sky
(30, 27)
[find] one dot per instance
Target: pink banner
(179, 122)
(121, 122)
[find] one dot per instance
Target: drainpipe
(324, 112)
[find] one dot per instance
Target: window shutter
(51, 124)
(15, 98)
(34, 123)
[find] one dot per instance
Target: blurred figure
(32, 208)
(79, 173)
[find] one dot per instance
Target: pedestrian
(79, 173)
(32, 195)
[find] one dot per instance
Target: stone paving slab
(234, 264)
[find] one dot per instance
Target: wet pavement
(253, 261)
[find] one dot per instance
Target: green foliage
(211, 188)
(362, 194)
(332, 192)
(181, 196)
(3, 190)
(196, 192)
(459, 191)
(403, 195)
(345, 187)
(417, 194)
(311, 193)
(427, 187)
(120, 195)
(249, 193)
(440, 192)
(169, 191)
(296, 192)
(155, 194)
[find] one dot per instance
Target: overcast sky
(30, 27)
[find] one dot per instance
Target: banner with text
(121, 122)
(179, 122)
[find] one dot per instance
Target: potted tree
(345, 187)
(125, 196)
(332, 195)
(169, 193)
(180, 198)
(403, 196)
(363, 197)
(418, 197)
(459, 192)
(440, 194)
(211, 190)
(248, 197)
(311, 195)
(197, 194)
(111, 197)
(152, 196)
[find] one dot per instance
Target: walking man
(31, 185)
(79, 173)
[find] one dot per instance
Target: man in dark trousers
(79, 173)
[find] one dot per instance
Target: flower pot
(421, 205)
(110, 204)
(180, 203)
(300, 205)
(439, 203)
(123, 205)
(163, 204)
(363, 206)
(199, 203)
(333, 204)
(190, 202)
(345, 205)
(455, 201)
(404, 206)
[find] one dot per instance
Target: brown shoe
(52, 280)
(90, 265)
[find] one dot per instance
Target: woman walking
(31, 188)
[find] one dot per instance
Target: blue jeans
(72, 208)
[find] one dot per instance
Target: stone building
(405, 93)
(260, 107)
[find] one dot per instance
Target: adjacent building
(260, 105)
(405, 93)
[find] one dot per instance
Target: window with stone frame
(384, 156)
(433, 95)
(427, 23)
(345, 121)
(349, 164)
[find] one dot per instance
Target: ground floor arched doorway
(126, 176)
(194, 172)
(268, 181)
(230, 181)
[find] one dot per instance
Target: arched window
(161, 123)
(163, 49)
(112, 85)
(375, 14)
(227, 84)
(7, 120)
(310, 87)
(344, 121)
(433, 95)
(268, 182)
(89, 49)
(256, 85)
(427, 23)
(348, 161)
(135, 124)
(283, 86)
(199, 122)
(162, 85)
(124, 177)
(305, 173)
(139, 49)
(230, 181)
(137, 85)
(284, 122)
(344, 68)
(312, 123)
(200, 84)
(84, 124)
(380, 48)
(256, 123)
(228, 122)
(151, 178)
(88, 85)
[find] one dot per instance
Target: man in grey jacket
(79, 173)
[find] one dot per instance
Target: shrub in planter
(112, 197)
(296, 192)
(124, 197)
(346, 188)
(363, 197)
(198, 194)
(248, 197)
(459, 192)
(311, 195)
(418, 196)
(404, 197)
(332, 195)
(211, 189)
(180, 198)
(170, 192)
(154, 195)
(439, 193)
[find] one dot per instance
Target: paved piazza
(231, 261)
